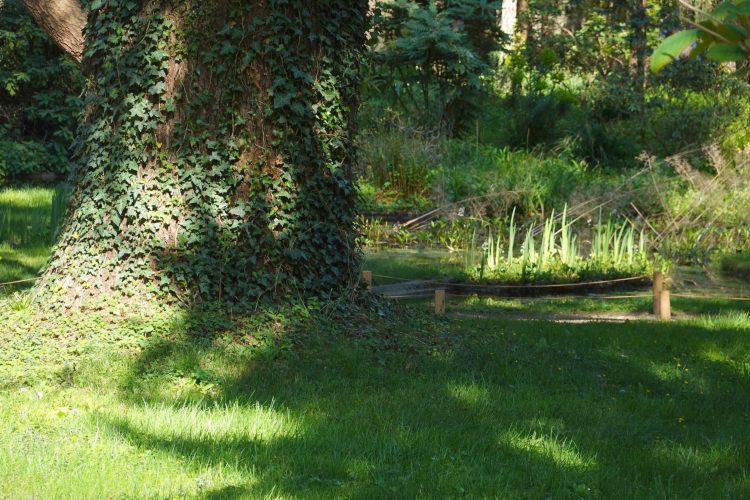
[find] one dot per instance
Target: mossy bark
(215, 155)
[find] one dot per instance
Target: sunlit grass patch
(553, 446)
(542, 306)
(31, 215)
(29, 218)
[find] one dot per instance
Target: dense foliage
(39, 98)
(430, 57)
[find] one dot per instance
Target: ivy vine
(214, 160)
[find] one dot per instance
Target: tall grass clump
(398, 162)
(552, 252)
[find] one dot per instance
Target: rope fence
(714, 297)
(554, 285)
(661, 298)
(530, 286)
(29, 280)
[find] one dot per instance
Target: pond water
(393, 265)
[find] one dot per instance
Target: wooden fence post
(440, 301)
(658, 287)
(367, 279)
(665, 306)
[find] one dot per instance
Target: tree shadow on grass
(509, 409)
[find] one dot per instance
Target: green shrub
(431, 58)
(398, 161)
(39, 97)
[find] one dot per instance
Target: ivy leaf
(281, 100)
(726, 52)
(156, 88)
(239, 211)
(671, 48)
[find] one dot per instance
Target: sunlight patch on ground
(468, 393)
(713, 457)
(551, 446)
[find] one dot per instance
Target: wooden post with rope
(367, 279)
(440, 301)
(665, 306)
(658, 284)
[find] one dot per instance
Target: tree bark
(215, 156)
(63, 20)
(523, 25)
(508, 18)
(639, 46)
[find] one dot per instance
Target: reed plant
(551, 251)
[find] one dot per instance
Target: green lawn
(548, 307)
(198, 405)
(388, 401)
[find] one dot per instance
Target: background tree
(431, 56)
(214, 157)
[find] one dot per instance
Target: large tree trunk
(63, 20)
(215, 155)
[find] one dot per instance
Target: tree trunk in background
(63, 20)
(639, 21)
(521, 35)
(215, 155)
(522, 23)
(508, 18)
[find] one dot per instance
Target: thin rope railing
(711, 297)
(490, 286)
(480, 287)
(20, 281)
(403, 279)
(552, 285)
(562, 297)
(597, 297)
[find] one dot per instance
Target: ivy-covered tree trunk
(215, 154)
